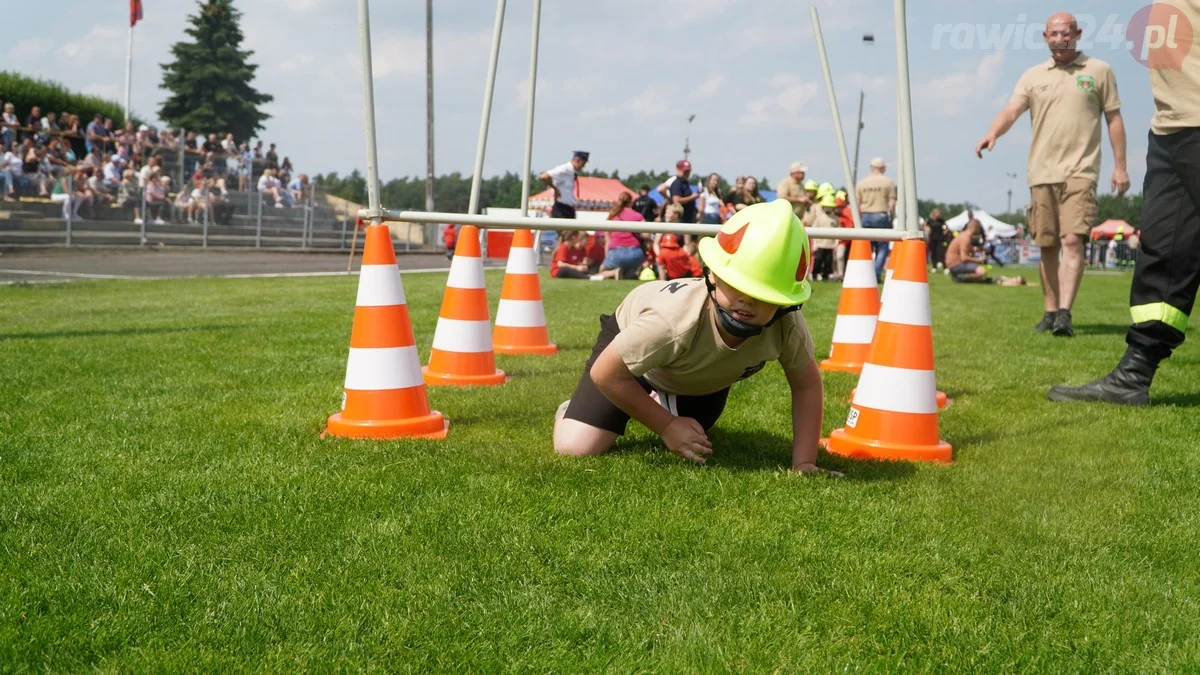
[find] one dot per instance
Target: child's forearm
(808, 403)
(613, 379)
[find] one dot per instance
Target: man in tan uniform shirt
(1167, 275)
(792, 189)
(877, 202)
(1065, 97)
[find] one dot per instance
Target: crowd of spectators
(86, 167)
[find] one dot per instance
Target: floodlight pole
(429, 173)
(533, 63)
(485, 118)
(364, 43)
(857, 140)
(837, 118)
(906, 122)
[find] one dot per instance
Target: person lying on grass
(669, 354)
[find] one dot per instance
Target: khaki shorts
(1059, 209)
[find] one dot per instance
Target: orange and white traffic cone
(521, 318)
(462, 343)
(894, 414)
(942, 399)
(384, 394)
(857, 312)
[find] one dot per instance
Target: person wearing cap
(561, 179)
(1065, 96)
(876, 196)
(669, 354)
(793, 190)
(674, 262)
(682, 193)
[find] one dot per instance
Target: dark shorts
(590, 406)
(963, 269)
(561, 210)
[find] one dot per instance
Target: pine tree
(210, 78)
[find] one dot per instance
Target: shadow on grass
(761, 451)
(1100, 329)
(53, 334)
(1183, 400)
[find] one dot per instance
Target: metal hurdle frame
(906, 208)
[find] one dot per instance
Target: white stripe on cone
(859, 274)
(907, 303)
(853, 329)
(887, 276)
(520, 313)
(899, 390)
(378, 368)
(379, 286)
(521, 261)
(456, 335)
(466, 272)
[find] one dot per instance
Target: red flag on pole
(135, 12)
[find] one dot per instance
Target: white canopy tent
(992, 228)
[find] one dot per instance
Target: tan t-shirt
(874, 192)
(790, 188)
(669, 335)
(1177, 93)
(1065, 104)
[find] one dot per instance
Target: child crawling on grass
(669, 354)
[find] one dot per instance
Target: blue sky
(617, 78)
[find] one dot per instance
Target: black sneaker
(1062, 324)
(1047, 322)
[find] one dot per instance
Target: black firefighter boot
(1127, 384)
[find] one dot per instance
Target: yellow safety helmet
(762, 251)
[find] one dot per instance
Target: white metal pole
(866, 234)
(128, 73)
(899, 222)
(485, 118)
(906, 124)
(364, 43)
(533, 62)
(837, 118)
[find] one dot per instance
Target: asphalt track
(58, 265)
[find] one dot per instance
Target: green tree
(210, 78)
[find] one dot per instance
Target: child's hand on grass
(811, 468)
(685, 437)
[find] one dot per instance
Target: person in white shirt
(561, 179)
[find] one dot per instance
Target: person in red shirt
(845, 218)
(674, 262)
(596, 253)
(570, 259)
(450, 238)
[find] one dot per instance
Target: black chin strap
(735, 326)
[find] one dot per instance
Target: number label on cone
(852, 418)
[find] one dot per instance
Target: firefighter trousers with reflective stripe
(1168, 266)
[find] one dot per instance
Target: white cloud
(709, 87)
(106, 90)
(968, 86)
(29, 49)
(295, 63)
(404, 55)
(102, 41)
(788, 107)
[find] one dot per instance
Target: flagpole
(128, 71)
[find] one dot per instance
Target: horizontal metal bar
(626, 226)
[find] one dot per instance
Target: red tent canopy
(596, 194)
(1109, 228)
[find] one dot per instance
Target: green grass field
(167, 503)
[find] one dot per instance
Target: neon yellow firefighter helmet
(810, 185)
(825, 189)
(762, 251)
